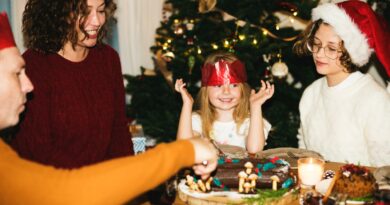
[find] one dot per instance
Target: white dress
(226, 132)
(349, 122)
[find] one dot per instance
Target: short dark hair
(300, 46)
(49, 24)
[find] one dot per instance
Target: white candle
(310, 171)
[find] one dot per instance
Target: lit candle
(310, 170)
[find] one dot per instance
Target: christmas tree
(260, 32)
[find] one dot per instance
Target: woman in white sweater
(345, 115)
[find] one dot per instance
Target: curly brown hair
(307, 36)
(48, 25)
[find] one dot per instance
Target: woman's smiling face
(93, 22)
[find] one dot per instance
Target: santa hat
(360, 29)
(6, 37)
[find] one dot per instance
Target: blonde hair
(207, 111)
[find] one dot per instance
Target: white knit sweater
(349, 122)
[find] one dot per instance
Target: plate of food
(239, 179)
(355, 183)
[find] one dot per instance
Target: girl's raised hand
(185, 95)
(266, 92)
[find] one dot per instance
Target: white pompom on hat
(361, 30)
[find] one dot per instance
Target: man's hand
(206, 157)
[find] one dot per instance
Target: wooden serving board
(192, 198)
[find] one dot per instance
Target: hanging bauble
(267, 74)
(191, 63)
(190, 25)
(279, 69)
(190, 41)
(206, 5)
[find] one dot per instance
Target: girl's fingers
(263, 86)
(271, 90)
(177, 85)
(268, 85)
(267, 91)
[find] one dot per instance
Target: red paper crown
(6, 37)
(223, 72)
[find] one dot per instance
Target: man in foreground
(113, 182)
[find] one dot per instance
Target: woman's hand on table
(206, 157)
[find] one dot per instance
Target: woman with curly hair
(76, 114)
(345, 115)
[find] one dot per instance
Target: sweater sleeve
(377, 129)
(304, 105)
(301, 143)
(120, 144)
(112, 182)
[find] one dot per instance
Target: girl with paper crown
(229, 111)
(345, 115)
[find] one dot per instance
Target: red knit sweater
(76, 113)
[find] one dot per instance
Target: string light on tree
(226, 43)
(199, 50)
(165, 46)
(254, 42)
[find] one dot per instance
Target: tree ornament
(190, 41)
(267, 71)
(168, 56)
(279, 69)
(191, 63)
(206, 5)
(190, 25)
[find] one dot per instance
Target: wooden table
(328, 166)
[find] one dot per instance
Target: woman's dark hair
(49, 24)
(307, 36)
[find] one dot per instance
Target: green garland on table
(268, 195)
(364, 198)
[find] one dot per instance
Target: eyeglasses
(330, 52)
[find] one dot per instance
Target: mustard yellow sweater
(112, 182)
